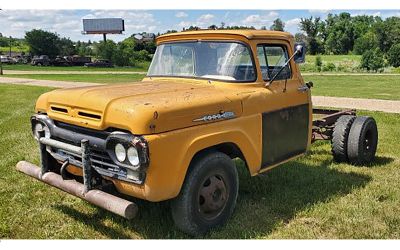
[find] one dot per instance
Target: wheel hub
(212, 196)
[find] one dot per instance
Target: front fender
(172, 152)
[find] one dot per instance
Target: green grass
(366, 86)
(27, 67)
(343, 63)
(96, 78)
(22, 48)
(311, 197)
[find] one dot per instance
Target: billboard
(103, 26)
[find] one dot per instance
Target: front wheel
(208, 196)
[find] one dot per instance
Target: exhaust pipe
(99, 198)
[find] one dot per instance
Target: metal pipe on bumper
(99, 198)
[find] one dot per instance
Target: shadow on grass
(265, 202)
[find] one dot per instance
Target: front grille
(88, 115)
(58, 109)
(101, 162)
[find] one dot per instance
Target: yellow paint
(163, 109)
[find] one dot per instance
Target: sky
(68, 23)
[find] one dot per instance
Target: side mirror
(300, 56)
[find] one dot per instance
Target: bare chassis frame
(325, 121)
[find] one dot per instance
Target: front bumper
(99, 198)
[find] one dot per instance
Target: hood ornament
(220, 116)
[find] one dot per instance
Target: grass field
(28, 67)
(377, 86)
(311, 197)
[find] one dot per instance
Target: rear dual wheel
(354, 139)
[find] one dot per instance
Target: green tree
(42, 42)
(388, 33)
(368, 41)
(105, 50)
(278, 25)
(372, 60)
(340, 34)
(394, 55)
(66, 47)
(312, 28)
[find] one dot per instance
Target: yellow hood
(143, 108)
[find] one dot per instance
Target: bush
(318, 63)
(368, 41)
(394, 55)
(329, 67)
(372, 60)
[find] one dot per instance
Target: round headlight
(120, 152)
(38, 127)
(133, 156)
(46, 132)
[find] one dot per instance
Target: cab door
(286, 109)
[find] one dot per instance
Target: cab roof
(249, 34)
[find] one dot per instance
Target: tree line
(128, 52)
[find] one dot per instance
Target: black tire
(363, 140)
(340, 137)
(208, 195)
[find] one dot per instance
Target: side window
(263, 62)
(272, 58)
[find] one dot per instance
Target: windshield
(228, 61)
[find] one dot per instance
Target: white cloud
(257, 20)
(181, 14)
(203, 21)
(68, 23)
(292, 22)
(315, 11)
(205, 18)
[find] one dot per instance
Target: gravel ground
(320, 101)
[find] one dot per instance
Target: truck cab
(209, 97)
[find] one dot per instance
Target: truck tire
(208, 195)
(340, 136)
(363, 140)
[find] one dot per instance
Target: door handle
(303, 88)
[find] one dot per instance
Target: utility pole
(10, 45)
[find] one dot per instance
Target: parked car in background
(6, 60)
(42, 60)
(20, 59)
(60, 61)
(101, 63)
(78, 60)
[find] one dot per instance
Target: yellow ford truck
(209, 97)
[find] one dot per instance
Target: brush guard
(84, 191)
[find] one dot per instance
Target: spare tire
(363, 140)
(340, 137)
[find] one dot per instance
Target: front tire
(208, 196)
